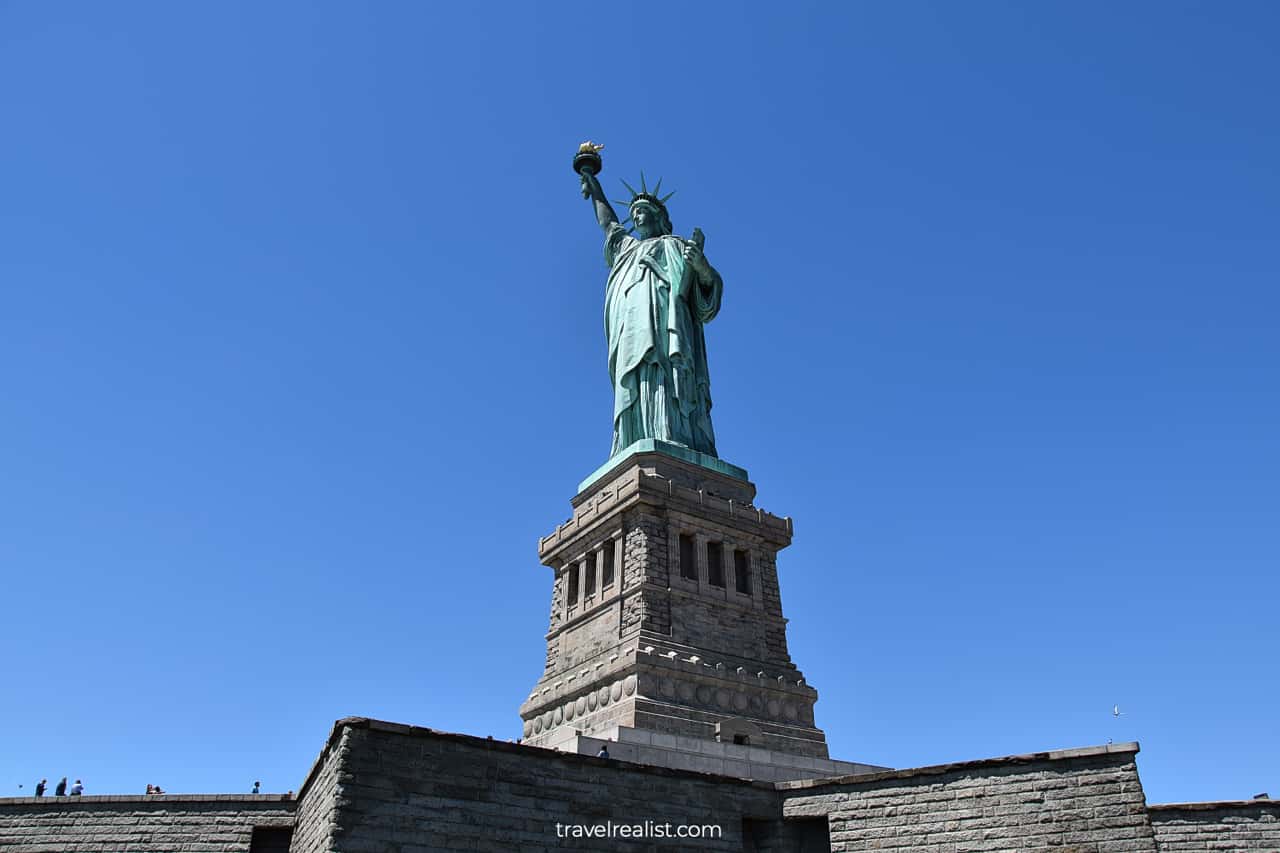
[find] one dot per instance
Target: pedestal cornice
(657, 478)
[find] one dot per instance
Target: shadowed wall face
(394, 786)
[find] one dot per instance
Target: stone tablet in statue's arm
(701, 285)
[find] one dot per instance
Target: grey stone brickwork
(388, 788)
(669, 645)
(402, 788)
(318, 798)
(1244, 826)
(202, 823)
(1070, 801)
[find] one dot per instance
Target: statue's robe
(654, 308)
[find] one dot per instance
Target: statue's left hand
(693, 256)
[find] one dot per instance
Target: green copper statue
(660, 292)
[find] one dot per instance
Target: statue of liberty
(660, 292)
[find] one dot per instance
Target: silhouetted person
(604, 752)
(151, 789)
(40, 787)
(77, 789)
(257, 787)
(61, 790)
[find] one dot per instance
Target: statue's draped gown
(654, 308)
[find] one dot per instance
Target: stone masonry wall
(318, 798)
(644, 566)
(775, 630)
(1072, 801)
(206, 822)
(405, 788)
(1248, 826)
(380, 787)
(723, 626)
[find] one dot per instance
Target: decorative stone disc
(740, 701)
(629, 685)
(559, 716)
(568, 710)
(704, 694)
(591, 700)
(615, 692)
(722, 698)
(604, 695)
(582, 705)
(528, 728)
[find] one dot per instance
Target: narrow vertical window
(606, 571)
(571, 586)
(742, 572)
(688, 565)
(715, 564)
(589, 580)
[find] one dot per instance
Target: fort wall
(1070, 801)
(404, 787)
(379, 787)
(1245, 826)
(204, 823)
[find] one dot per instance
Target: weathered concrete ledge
(147, 799)
(980, 764)
(136, 823)
(1215, 804)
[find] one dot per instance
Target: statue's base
(666, 618)
(675, 451)
(657, 749)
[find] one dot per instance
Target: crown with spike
(645, 195)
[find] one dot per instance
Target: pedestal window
(742, 572)
(715, 564)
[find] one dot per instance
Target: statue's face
(647, 219)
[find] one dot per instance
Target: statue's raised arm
(587, 163)
(604, 211)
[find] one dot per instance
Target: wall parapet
(147, 799)
(1242, 826)
(1214, 805)
(960, 766)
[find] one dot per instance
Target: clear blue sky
(301, 351)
